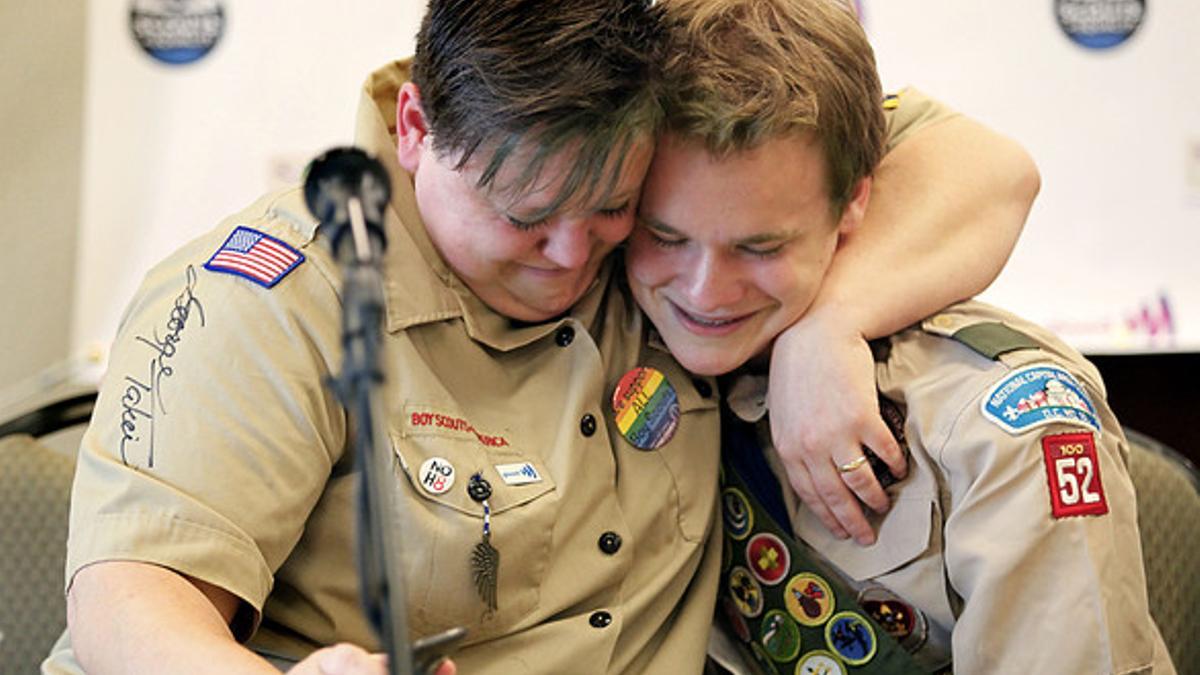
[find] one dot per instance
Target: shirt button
(564, 336)
(702, 387)
(600, 619)
(479, 488)
(587, 425)
(610, 542)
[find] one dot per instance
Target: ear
(856, 208)
(411, 127)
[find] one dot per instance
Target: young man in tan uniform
(212, 509)
(1012, 543)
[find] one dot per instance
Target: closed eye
(663, 239)
(525, 226)
(615, 212)
(763, 251)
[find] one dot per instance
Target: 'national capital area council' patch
(1037, 395)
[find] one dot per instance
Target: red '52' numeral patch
(1073, 472)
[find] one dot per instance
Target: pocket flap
(903, 534)
(526, 478)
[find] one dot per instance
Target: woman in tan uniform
(212, 512)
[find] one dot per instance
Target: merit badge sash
(789, 612)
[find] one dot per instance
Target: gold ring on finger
(852, 464)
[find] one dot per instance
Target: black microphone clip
(343, 185)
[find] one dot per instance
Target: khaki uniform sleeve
(909, 111)
(214, 434)
(1041, 593)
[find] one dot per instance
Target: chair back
(35, 494)
(1168, 493)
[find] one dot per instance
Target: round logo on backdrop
(177, 31)
(1099, 24)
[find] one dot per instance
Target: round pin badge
(739, 519)
(851, 637)
(768, 558)
(899, 619)
(779, 636)
(809, 599)
(645, 408)
(436, 475)
(820, 662)
(745, 592)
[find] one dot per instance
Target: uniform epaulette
(991, 339)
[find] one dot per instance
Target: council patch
(1038, 395)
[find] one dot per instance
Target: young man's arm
(946, 209)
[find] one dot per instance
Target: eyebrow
(761, 238)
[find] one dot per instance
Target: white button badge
(436, 475)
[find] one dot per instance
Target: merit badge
(436, 476)
(809, 599)
(903, 622)
(780, 636)
(485, 559)
(1073, 472)
(768, 558)
(1038, 395)
(645, 408)
(745, 592)
(820, 662)
(521, 473)
(851, 637)
(737, 622)
(253, 255)
(739, 519)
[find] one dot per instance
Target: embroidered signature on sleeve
(142, 399)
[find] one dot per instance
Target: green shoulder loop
(991, 339)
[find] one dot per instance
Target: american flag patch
(258, 257)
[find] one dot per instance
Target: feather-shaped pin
(485, 559)
(485, 565)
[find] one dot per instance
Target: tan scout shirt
(972, 541)
(217, 451)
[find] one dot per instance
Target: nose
(710, 283)
(568, 242)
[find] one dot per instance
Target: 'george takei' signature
(142, 399)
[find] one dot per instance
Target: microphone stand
(348, 190)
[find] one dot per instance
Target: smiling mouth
(709, 325)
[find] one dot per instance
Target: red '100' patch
(1073, 472)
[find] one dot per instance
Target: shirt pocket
(442, 525)
(904, 534)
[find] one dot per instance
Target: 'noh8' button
(436, 475)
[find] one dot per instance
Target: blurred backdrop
(130, 126)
